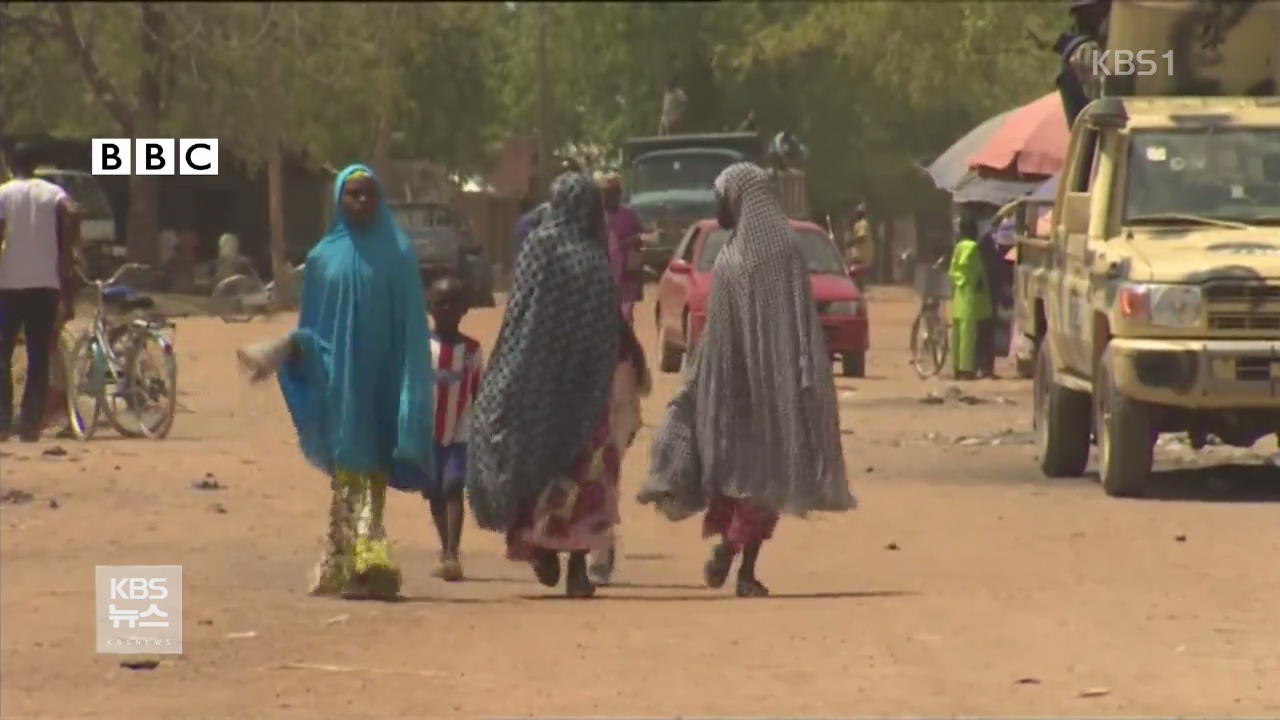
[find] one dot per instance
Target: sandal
(601, 571)
(716, 571)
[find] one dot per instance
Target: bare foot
(451, 570)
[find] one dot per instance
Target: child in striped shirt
(458, 364)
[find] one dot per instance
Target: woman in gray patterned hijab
(539, 458)
(755, 430)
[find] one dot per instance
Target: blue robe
(360, 388)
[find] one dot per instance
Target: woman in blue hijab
(359, 382)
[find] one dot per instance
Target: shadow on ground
(1220, 483)
(605, 594)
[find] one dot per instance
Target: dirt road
(965, 584)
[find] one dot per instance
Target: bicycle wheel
(914, 344)
(942, 346)
(86, 381)
(227, 298)
(924, 340)
(151, 377)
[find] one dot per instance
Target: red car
(685, 288)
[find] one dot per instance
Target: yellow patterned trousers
(356, 561)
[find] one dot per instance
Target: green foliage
(869, 86)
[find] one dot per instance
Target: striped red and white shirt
(458, 366)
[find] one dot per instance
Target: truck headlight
(1166, 305)
(843, 307)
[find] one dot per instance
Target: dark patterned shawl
(757, 417)
(548, 381)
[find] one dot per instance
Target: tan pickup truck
(1155, 305)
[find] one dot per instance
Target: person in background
(524, 225)
(458, 363)
(359, 382)
(625, 263)
(755, 430)
(542, 465)
(1077, 48)
(971, 303)
(625, 229)
(534, 217)
(168, 246)
(991, 330)
(631, 383)
(861, 245)
(228, 262)
(39, 230)
(674, 103)
(749, 124)
(787, 151)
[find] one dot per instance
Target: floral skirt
(356, 560)
(576, 512)
(739, 521)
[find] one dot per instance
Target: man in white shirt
(674, 102)
(37, 221)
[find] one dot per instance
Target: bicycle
(112, 369)
(238, 298)
(930, 331)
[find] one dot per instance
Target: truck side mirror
(1076, 213)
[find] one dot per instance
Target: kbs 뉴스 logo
(138, 609)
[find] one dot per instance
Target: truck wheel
(686, 356)
(1061, 419)
(1025, 368)
(1126, 436)
(669, 356)
(854, 365)
(1025, 365)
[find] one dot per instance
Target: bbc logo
(155, 156)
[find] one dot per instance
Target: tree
(871, 87)
(137, 114)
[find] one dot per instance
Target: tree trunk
(545, 169)
(144, 190)
(284, 296)
(381, 154)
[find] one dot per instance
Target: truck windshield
(685, 171)
(1180, 177)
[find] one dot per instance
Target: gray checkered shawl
(757, 417)
(547, 385)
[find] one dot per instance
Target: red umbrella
(1032, 141)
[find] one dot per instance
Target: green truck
(669, 182)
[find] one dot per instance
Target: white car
(97, 220)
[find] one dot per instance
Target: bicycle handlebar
(114, 276)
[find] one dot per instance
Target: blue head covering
(360, 392)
